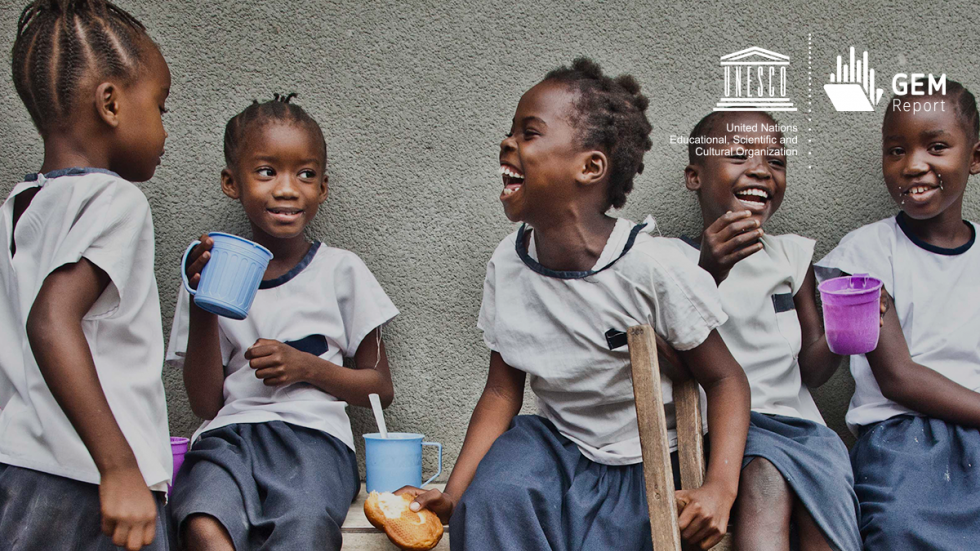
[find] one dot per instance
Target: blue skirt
(535, 490)
(44, 512)
(814, 462)
(271, 485)
(918, 480)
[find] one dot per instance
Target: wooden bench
(655, 444)
(360, 535)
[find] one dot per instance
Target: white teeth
(508, 191)
(507, 171)
(755, 192)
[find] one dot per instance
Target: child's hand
(440, 503)
(729, 239)
(703, 515)
(883, 308)
(129, 514)
(197, 259)
(277, 364)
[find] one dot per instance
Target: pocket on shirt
(788, 321)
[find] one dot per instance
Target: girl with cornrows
(84, 444)
(557, 300)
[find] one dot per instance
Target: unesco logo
(755, 80)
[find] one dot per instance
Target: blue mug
(231, 277)
(396, 461)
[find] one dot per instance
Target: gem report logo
(853, 87)
(755, 80)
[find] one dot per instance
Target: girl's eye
(738, 157)
(266, 171)
(937, 147)
(895, 151)
(778, 162)
(309, 174)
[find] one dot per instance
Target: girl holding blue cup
(276, 448)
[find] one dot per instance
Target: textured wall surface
(414, 98)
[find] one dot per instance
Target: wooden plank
(654, 442)
(690, 440)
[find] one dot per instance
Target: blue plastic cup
(396, 461)
(231, 277)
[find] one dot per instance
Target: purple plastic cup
(851, 313)
(178, 445)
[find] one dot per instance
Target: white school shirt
(566, 330)
(97, 215)
(326, 305)
(936, 296)
(763, 329)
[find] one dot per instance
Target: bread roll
(410, 531)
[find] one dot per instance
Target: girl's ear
(324, 189)
(594, 167)
(975, 159)
(107, 103)
(692, 177)
(228, 184)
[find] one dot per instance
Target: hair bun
(284, 98)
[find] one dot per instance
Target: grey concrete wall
(414, 98)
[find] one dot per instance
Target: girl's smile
(537, 158)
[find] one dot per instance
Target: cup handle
(439, 471)
(183, 267)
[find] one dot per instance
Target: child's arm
(204, 372)
(916, 386)
(54, 328)
(817, 362)
(500, 402)
(279, 364)
(705, 511)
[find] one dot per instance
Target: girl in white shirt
(916, 403)
(273, 465)
(84, 444)
(558, 297)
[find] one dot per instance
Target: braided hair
(59, 42)
(610, 115)
(962, 100)
(278, 109)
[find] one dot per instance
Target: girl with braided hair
(273, 466)
(558, 297)
(84, 444)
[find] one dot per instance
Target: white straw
(378, 416)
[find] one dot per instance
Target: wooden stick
(690, 440)
(654, 443)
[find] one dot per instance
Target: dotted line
(809, 95)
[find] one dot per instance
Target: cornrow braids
(60, 41)
(278, 109)
(962, 101)
(610, 115)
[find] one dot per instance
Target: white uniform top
(326, 305)
(936, 294)
(566, 330)
(763, 329)
(97, 215)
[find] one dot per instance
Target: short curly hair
(962, 100)
(278, 109)
(610, 114)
